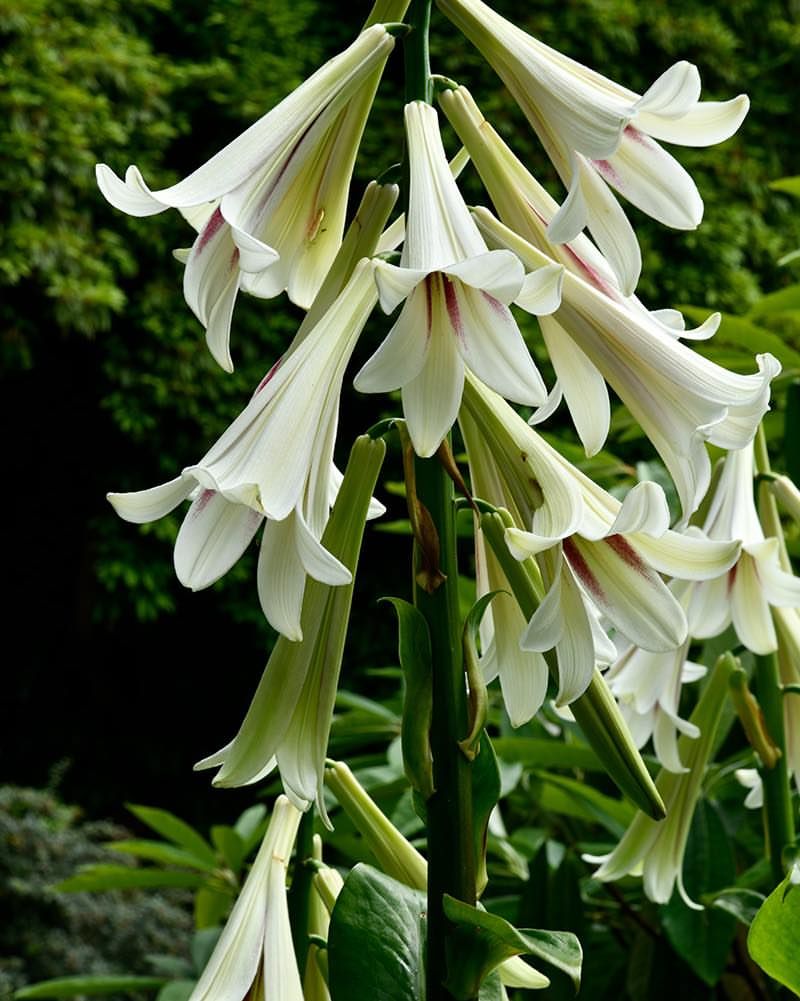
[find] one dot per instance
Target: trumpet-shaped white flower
(289, 718)
(456, 295)
(589, 544)
(756, 581)
(527, 208)
(270, 206)
(655, 849)
(598, 133)
(256, 944)
(647, 687)
(274, 461)
(679, 398)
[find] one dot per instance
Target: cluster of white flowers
(269, 211)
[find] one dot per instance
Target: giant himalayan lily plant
(575, 579)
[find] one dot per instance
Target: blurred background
(117, 678)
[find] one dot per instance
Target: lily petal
(213, 536)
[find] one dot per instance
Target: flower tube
(269, 207)
(289, 718)
(255, 947)
(599, 134)
(455, 297)
(590, 546)
(289, 426)
(679, 398)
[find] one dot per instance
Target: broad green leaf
(376, 939)
(782, 301)
(789, 185)
(742, 904)
(70, 987)
(250, 826)
(538, 753)
(158, 851)
(482, 941)
(211, 906)
(571, 798)
(229, 845)
(774, 938)
(202, 945)
(176, 990)
(117, 877)
(174, 829)
(703, 938)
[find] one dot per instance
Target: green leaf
(118, 877)
(486, 787)
(571, 798)
(482, 941)
(538, 753)
(703, 938)
(414, 651)
(229, 845)
(773, 937)
(782, 301)
(789, 185)
(158, 851)
(69, 987)
(202, 945)
(211, 906)
(176, 990)
(250, 826)
(376, 939)
(174, 829)
(742, 904)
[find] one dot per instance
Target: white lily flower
(589, 545)
(679, 398)
(456, 295)
(526, 207)
(289, 718)
(270, 206)
(756, 581)
(289, 426)
(648, 686)
(598, 133)
(256, 947)
(653, 848)
(751, 780)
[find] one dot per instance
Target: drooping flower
(655, 849)
(679, 398)
(598, 133)
(589, 545)
(274, 461)
(289, 718)
(270, 206)
(527, 208)
(756, 581)
(255, 951)
(455, 315)
(648, 687)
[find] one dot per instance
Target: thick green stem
(417, 63)
(777, 794)
(451, 860)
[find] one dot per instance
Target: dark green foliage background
(106, 382)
